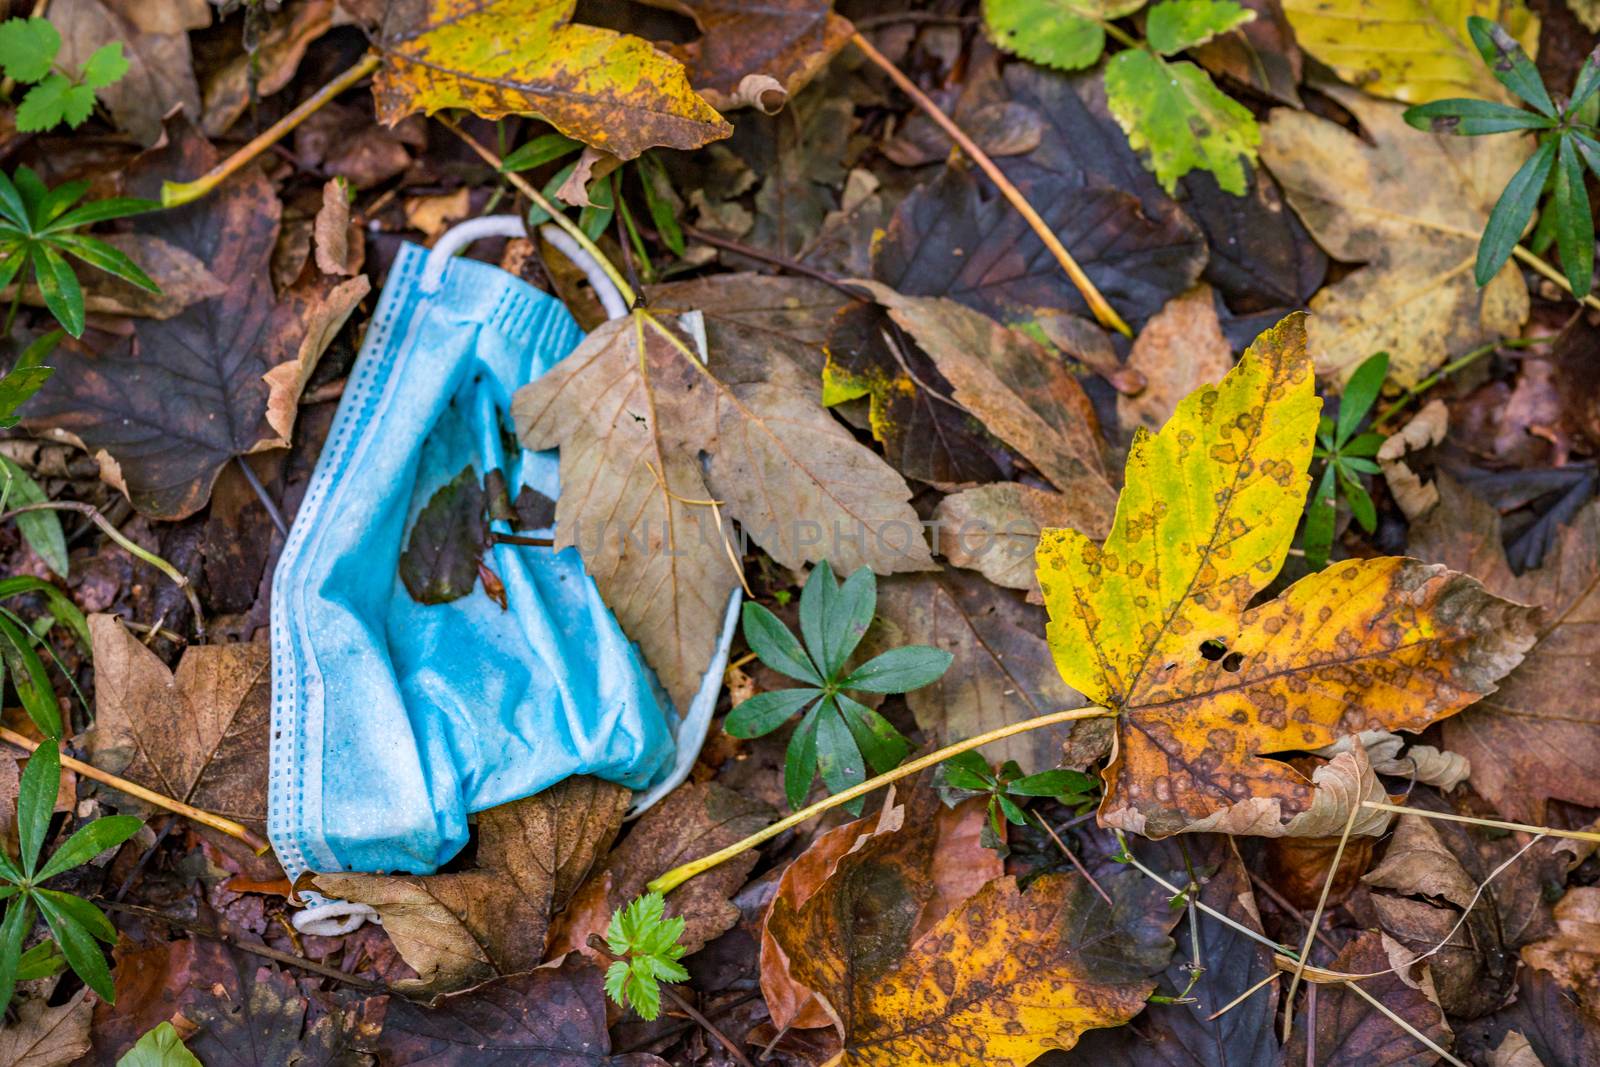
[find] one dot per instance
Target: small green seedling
(1346, 456)
(968, 774)
(75, 924)
(838, 736)
(28, 50)
(38, 231)
(1567, 141)
(41, 529)
(647, 943)
(160, 1047)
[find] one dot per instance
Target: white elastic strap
(599, 280)
(459, 237)
(334, 918)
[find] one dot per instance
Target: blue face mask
(392, 720)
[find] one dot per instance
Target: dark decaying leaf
(1538, 737)
(1350, 1032)
(1261, 53)
(1556, 1028)
(256, 1016)
(788, 41)
(472, 925)
(1183, 1035)
(183, 396)
(440, 561)
(1262, 259)
(554, 1017)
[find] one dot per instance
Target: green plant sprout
(41, 529)
(1567, 141)
(838, 736)
(38, 231)
(1008, 789)
(647, 943)
(28, 50)
(1346, 456)
(75, 924)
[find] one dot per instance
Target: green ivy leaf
(1065, 34)
(1174, 114)
(1173, 25)
(160, 1047)
(28, 48)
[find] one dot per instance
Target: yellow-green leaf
(1411, 50)
(1203, 525)
(526, 57)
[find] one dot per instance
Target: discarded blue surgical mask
(392, 720)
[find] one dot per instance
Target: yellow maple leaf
(610, 90)
(1156, 625)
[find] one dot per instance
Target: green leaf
(1358, 465)
(29, 678)
(1359, 393)
(89, 841)
(1574, 222)
(660, 199)
(594, 219)
(882, 745)
(33, 189)
(105, 66)
(1472, 118)
(12, 206)
(899, 670)
(107, 258)
(17, 387)
(113, 207)
(1175, 116)
(800, 761)
(649, 942)
(1065, 34)
(1509, 63)
(80, 911)
(1366, 444)
(1014, 813)
(1511, 213)
(962, 778)
(1173, 25)
(61, 606)
(833, 619)
(1587, 81)
(43, 960)
(159, 1047)
(775, 646)
(1051, 784)
(28, 48)
(971, 763)
(18, 921)
(77, 945)
(36, 801)
(539, 151)
(765, 712)
(59, 286)
(1355, 494)
(839, 759)
(1318, 539)
(52, 101)
(41, 529)
(57, 201)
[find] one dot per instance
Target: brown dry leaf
(1573, 954)
(1350, 1032)
(941, 843)
(788, 41)
(1539, 736)
(693, 821)
(48, 1037)
(632, 409)
(1000, 673)
(155, 41)
(344, 141)
(994, 529)
(1376, 202)
(1261, 53)
(1019, 392)
(340, 245)
(1423, 763)
(1204, 523)
(1426, 428)
(323, 317)
(999, 980)
(1515, 1051)
(526, 57)
(454, 929)
(271, 64)
(432, 215)
(198, 734)
(183, 279)
(1180, 349)
(1417, 863)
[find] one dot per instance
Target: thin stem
(1575, 835)
(149, 796)
(1316, 921)
(1117, 34)
(681, 874)
(1433, 1046)
(1067, 852)
(267, 503)
(1551, 273)
(1103, 311)
(178, 577)
(174, 194)
(1450, 368)
(559, 217)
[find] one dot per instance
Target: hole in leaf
(1232, 662)
(1213, 649)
